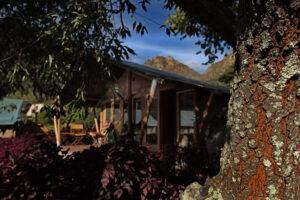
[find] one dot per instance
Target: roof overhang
(155, 73)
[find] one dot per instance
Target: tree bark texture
(261, 158)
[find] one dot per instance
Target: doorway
(167, 117)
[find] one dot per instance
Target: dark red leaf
(118, 193)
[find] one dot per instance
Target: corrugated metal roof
(170, 76)
(10, 111)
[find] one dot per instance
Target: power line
(149, 19)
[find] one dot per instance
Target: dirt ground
(75, 148)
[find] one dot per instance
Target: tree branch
(18, 52)
(213, 14)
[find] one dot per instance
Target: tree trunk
(261, 158)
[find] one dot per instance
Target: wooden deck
(75, 148)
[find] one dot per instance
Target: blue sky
(158, 43)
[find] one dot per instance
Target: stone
(193, 191)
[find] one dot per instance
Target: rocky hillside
(169, 64)
(213, 72)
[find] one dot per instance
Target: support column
(101, 119)
(129, 109)
(205, 112)
(112, 111)
(119, 124)
(95, 120)
(147, 111)
(57, 122)
(55, 127)
(197, 115)
(177, 119)
(104, 115)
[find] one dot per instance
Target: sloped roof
(10, 111)
(170, 76)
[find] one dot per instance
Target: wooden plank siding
(134, 85)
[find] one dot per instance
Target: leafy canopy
(50, 43)
(204, 20)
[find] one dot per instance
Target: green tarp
(10, 111)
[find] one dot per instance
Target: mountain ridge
(172, 65)
(212, 73)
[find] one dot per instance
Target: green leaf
(54, 15)
(50, 60)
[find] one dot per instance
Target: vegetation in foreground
(32, 167)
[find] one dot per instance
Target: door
(167, 117)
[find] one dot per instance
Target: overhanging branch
(213, 14)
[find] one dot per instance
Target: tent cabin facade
(161, 108)
(10, 116)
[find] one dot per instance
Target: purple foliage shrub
(32, 168)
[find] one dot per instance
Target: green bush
(44, 118)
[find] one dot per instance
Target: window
(108, 106)
(151, 135)
(137, 117)
(125, 124)
(187, 115)
(116, 111)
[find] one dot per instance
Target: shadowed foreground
(31, 168)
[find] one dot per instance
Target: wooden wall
(206, 104)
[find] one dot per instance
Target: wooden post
(197, 115)
(95, 120)
(159, 135)
(177, 118)
(147, 111)
(112, 111)
(129, 109)
(55, 122)
(101, 118)
(96, 124)
(58, 139)
(119, 124)
(205, 112)
(55, 127)
(104, 115)
(58, 131)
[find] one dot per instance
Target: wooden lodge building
(161, 108)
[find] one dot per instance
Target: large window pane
(151, 136)
(108, 106)
(187, 115)
(116, 112)
(137, 117)
(125, 124)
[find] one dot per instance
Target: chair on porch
(78, 132)
(106, 135)
(95, 136)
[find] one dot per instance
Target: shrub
(28, 166)
(44, 118)
(31, 168)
